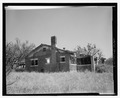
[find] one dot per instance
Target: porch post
(92, 64)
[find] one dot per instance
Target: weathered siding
(41, 55)
(54, 66)
(63, 66)
(39, 51)
(42, 63)
(49, 67)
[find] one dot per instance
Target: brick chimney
(53, 50)
(53, 41)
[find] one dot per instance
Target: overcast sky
(71, 25)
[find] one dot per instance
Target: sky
(72, 26)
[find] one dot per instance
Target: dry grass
(62, 82)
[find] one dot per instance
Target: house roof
(58, 49)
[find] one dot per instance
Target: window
(47, 60)
(34, 62)
(62, 59)
(44, 49)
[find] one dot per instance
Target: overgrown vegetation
(100, 81)
(15, 52)
(61, 82)
(90, 49)
(106, 67)
(109, 61)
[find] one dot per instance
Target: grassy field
(62, 82)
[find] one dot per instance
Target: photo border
(114, 40)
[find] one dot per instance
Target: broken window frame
(47, 59)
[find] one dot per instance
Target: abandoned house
(49, 58)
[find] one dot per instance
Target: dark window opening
(86, 60)
(44, 49)
(78, 61)
(36, 62)
(62, 59)
(32, 62)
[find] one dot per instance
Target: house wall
(63, 66)
(38, 50)
(54, 56)
(42, 66)
(48, 67)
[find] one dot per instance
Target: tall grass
(61, 82)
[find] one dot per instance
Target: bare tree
(90, 49)
(22, 49)
(15, 52)
(9, 57)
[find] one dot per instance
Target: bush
(100, 69)
(104, 68)
(109, 61)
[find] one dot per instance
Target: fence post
(92, 64)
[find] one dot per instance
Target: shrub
(104, 68)
(109, 61)
(100, 69)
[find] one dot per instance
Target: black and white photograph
(60, 49)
